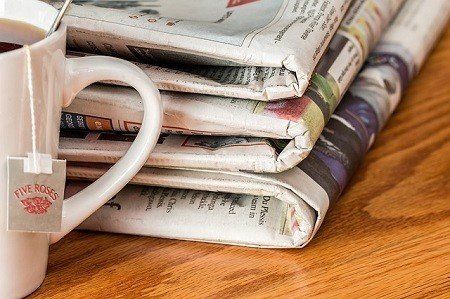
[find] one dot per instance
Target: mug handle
(80, 72)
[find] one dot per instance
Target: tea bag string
(32, 110)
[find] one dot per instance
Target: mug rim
(60, 32)
(39, 44)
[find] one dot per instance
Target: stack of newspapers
(269, 108)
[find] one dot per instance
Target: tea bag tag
(35, 198)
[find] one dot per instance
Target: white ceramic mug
(23, 256)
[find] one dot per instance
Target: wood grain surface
(388, 235)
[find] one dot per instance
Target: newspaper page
(244, 82)
(299, 120)
(288, 34)
(285, 209)
(174, 151)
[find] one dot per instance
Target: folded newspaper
(285, 209)
(299, 120)
(279, 41)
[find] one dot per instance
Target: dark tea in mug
(15, 34)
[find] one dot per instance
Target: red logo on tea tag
(35, 200)
(36, 204)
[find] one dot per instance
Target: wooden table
(388, 235)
